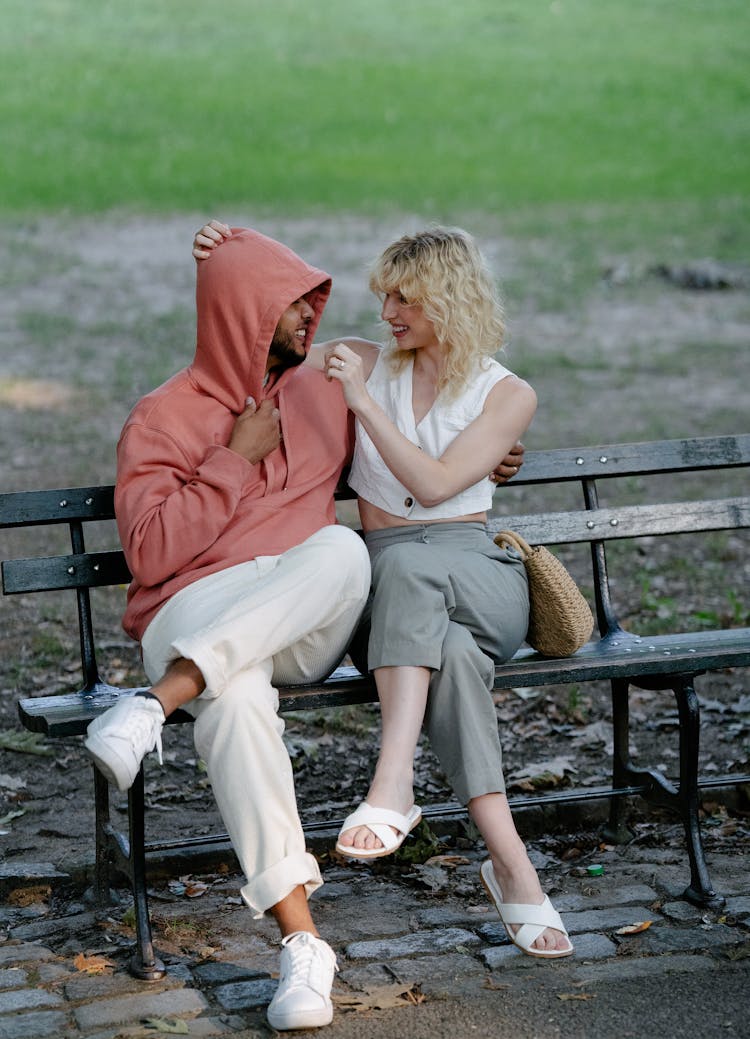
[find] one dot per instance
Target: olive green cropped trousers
(446, 598)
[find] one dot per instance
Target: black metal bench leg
(144, 964)
(102, 892)
(615, 831)
(700, 891)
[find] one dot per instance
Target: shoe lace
(144, 728)
(306, 966)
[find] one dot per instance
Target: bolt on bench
(661, 662)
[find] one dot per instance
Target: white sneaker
(119, 739)
(303, 998)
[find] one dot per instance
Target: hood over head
(242, 290)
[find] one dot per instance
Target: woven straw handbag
(560, 619)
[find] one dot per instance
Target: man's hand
(210, 235)
(509, 466)
(257, 431)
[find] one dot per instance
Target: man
(241, 579)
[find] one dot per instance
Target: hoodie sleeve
(169, 512)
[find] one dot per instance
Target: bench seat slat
(617, 656)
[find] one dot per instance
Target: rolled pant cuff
(205, 660)
(405, 655)
(466, 790)
(275, 883)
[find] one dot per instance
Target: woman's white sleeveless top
(371, 478)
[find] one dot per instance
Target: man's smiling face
(289, 344)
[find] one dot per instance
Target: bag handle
(509, 538)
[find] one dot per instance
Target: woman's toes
(554, 941)
(364, 839)
(550, 941)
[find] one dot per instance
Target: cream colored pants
(278, 619)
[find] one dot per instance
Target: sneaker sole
(302, 1019)
(96, 748)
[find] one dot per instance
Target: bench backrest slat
(89, 570)
(27, 508)
(613, 460)
(626, 521)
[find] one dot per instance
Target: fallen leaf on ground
(187, 888)
(570, 854)
(24, 742)
(93, 964)
(541, 774)
(495, 986)
(432, 877)
(642, 925)
(449, 861)
(16, 814)
(29, 896)
(171, 1026)
(380, 997)
(195, 889)
(576, 995)
(593, 735)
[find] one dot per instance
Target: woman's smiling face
(411, 329)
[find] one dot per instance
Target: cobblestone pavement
(420, 950)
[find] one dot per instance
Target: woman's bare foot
(395, 794)
(520, 885)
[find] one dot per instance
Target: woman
(434, 413)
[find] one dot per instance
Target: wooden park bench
(661, 662)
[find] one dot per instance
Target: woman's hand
(345, 366)
(210, 235)
(509, 466)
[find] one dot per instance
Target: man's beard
(286, 351)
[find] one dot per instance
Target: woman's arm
(507, 412)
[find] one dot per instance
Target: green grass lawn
(439, 108)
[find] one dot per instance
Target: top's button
(408, 502)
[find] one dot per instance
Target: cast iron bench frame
(660, 662)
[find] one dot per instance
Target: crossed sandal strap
(380, 821)
(544, 915)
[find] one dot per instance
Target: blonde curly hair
(442, 270)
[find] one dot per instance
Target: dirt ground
(96, 312)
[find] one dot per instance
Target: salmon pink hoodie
(186, 505)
